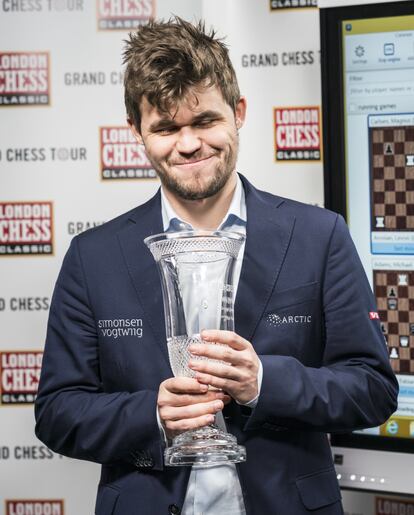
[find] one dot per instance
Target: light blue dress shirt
(215, 489)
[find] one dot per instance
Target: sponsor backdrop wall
(68, 162)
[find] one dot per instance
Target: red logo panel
(391, 506)
(297, 133)
(24, 78)
(122, 157)
(124, 14)
(19, 374)
(292, 4)
(26, 228)
(34, 507)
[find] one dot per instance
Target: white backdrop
(56, 154)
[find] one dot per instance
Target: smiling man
(305, 358)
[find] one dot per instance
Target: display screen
(378, 75)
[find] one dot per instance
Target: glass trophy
(196, 269)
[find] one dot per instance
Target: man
(305, 357)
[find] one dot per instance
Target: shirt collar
(236, 214)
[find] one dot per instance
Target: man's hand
(183, 404)
(238, 377)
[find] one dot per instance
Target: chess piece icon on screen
(392, 304)
(404, 341)
(391, 292)
(402, 280)
(394, 353)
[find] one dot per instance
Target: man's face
(194, 147)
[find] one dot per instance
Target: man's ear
(135, 132)
(240, 112)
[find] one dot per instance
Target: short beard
(188, 193)
(173, 185)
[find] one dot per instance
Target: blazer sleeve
(74, 416)
(354, 387)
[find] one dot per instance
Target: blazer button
(173, 509)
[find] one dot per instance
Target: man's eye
(205, 123)
(166, 130)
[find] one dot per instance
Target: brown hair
(165, 59)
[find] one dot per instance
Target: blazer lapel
(268, 235)
(145, 221)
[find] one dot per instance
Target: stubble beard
(197, 189)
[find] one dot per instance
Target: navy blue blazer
(303, 301)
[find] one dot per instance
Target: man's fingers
(173, 413)
(179, 426)
(216, 369)
(186, 400)
(218, 382)
(211, 351)
(229, 338)
(187, 385)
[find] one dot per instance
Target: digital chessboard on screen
(394, 291)
(392, 178)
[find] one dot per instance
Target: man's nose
(188, 141)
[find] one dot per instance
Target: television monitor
(367, 59)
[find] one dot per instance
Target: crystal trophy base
(206, 446)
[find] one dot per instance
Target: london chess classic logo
(391, 506)
(124, 14)
(26, 228)
(34, 507)
(297, 134)
(20, 374)
(276, 5)
(24, 78)
(122, 157)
